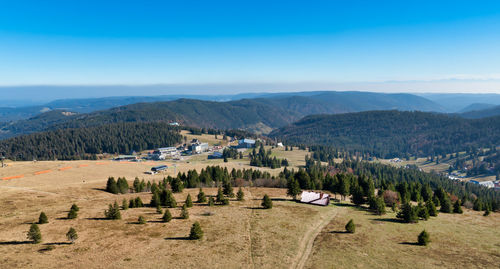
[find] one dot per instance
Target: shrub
(167, 217)
(141, 220)
(131, 203)
(113, 212)
(34, 234)
(72, 235)
(75, 207)
(184, 212)
(189, 202)
(111, 186)
(266, 202)
(196, 231)
(138, 202)
(125, 204)
(159, 210)
(42, 219)
(211, 201)
(225, 201)
(240, 195)
(201, 197)
(487, 212)
(457, 208)
(350, 227)
(72, 214)
(423, 238)
(390, 197)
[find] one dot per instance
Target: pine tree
(423, 238)
(408, 213)
(122, 185)
(131, 203)
(293, 188)
(172, 203)
(225, 201)
(228, 189)
(111, 186)
(159, 210)
(240, 196)
(457, 208)
(113, 212)
(189, 202)
(211, 201)
(125, 204)
(42, 219)
(141, 220)
(267, 203)
(201, 197)
(196, 232)
(431, 208)
(72, 214)
(34, 234)
(350, 227)
(379, 206)
(445, 205)
(167, 216)
(138, 202)
(184, 212)
(423, 212)
(225, 159)
(177, 185)
(155, 200)
(220, 195)
(72, 235)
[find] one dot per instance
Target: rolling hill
(393, 133)
(483, 113)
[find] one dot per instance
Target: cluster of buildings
(488, 184)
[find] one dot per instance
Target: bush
(34, 234)
(75, 207)
(131, 203)
(159, 210)
(240, 195)
(196, 232)
(225, 201)
(201, 197)
(72, 214)
(113, 212)
(350, 227)
(141, 220)
(111, 186)
(125, 204)
(211, 201)
(167, 217)
(423, 238)
(457, 208)
(184, 212)
(138, 202)
(42, 219)
(266, 202)
(72, 235)
(189, 202)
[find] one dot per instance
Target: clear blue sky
(243, 42)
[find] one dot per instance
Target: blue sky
(411, 46)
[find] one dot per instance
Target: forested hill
(86, 143)
(393, 133)
(483, 113)
(257, 114)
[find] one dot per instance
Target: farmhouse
(315, 198)
(246, 143)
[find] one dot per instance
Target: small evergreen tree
(75, 207)
(184, 212)
(211, 201)
(423, 213)
(408, 213)
(228, 189)
(111, 186)
(72, 235)
(189, 202)
(141, 220)
(196, 232)
(225, 201)
(34, 234)
(125, 204)
(167, 216)
(138, 202)
(445, 205)
(159, 210)
(431, 208)
(131, 203)
(379, 206)
(72, 214)
(423, 238)
(267, 203)
(42, 219)
(240, 195)
(293, 188)
(113, 212)
(201, 197)
(122, 185)
(220, 195)
(350, 227)
(457, 208)
(177, 185)
(155, 200)
(487, 212)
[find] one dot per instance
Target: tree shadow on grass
(344, 204)
(339, 232)
(15, 242)
(97, 219)
(409, 243)
(57, 243)
(101, 189)
(254, 207)
(156, 221)
(178, 238)
(388, 220)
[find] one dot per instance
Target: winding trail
(307, 242)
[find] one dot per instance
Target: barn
(315, 198)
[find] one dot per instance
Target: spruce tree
(131, 203)
(113, 212)
(408, 213)
(211, 201)
(141, 220)
(155, 200)
(445, 205)
(122, 185)
(225, 201)
(423, 212)
(423, 238)
(350, 227)
(72, 235)
(177, 185)
(42, 219)
(201, 197)
(167, 216)
(34, 234)
(220, 195)
(379, 206)
(457, 208)
(431, 208)
(172, 203)
(159, 209)
(196, 232)
(240, 196)
(184, 212)
(228, 189)
(487, 212)
(138, 202)
(72, 214)
(189, 202)
(111, 186)
(293, 188)
(125, 204)
(267, 203)
(75, 207)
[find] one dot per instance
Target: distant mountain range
(257, 114)
(483, 113)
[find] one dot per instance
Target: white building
(315, 198)
(487, 184)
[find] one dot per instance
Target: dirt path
(307, 242)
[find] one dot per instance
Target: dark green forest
(86, 143)
(389, 134)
